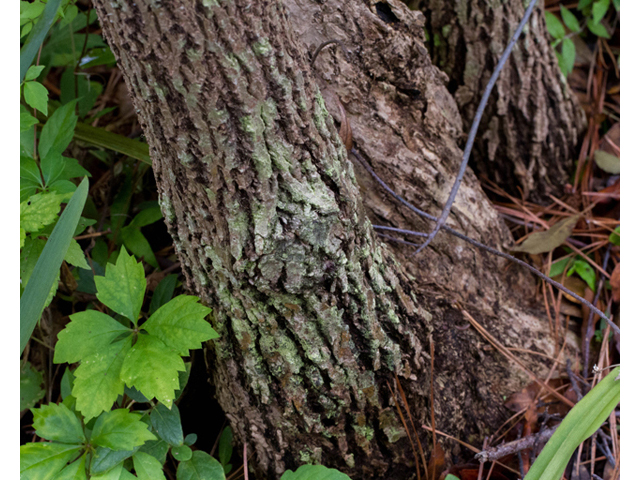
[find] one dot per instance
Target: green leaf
(157, 449)
(584, 4)
(147, 217)
(167, 423)
(116, 473)
(199, 467)
(36, 96)
(568, 56)
(98, 383)
(120, 430)
(88, 333)
(26, 143)
(36, 37)
(152, 368)
(554, 25)
(615, 236)
(147, 467)
(190, 439)
(451, 477)
(99, 137)
(616, 5)
(58, 131)
(597, 29)
(30, 178)
(57, 423)
(42, 461)
(582, 421)
(104, 459)
(163, 292)
(607, 162)
(135, 242)
(180, 324)
(66, 383)
(225, 448)
(557, 268)
(75, 256)
(541, 242)
(29, 257)
(122, 288)
(33, 72)
(314, 472)
(182, 453)
(48, 266)
(74, 471)
(31, 391)
(26, 119)
(40, 210)
(599, 10)
(52, 167)
(569, 19)
(586, 272)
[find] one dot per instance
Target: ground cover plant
(116, 351)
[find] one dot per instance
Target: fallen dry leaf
(615, 283)
(541, 242)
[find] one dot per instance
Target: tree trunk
(530, 130)
(317, 318)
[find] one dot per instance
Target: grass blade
(44, 273)
(99, 137)
(583, 420)
(36, 36)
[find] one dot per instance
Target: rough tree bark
(529, 133)
(316, 315)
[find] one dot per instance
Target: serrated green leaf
(554, 25)
(75, 256)
(597, 29)
(135, 242)
(88, 333)
(314, 472)
(122, 288)
(568, 56)
(225, 447)
(31, 391)
(615, 236)
(26, 119)
(599, 10)
(152, 367)
(36, 96)
(74, 471)
(47, 268)
(582, 421)
(98, 383)
(42, 461)
(157, 449)
(147, 467)
(57, 423)
(168, 424)
(569, 19)
(40, 210)
(182, 453)
(180, 324)
(163, 292)
(23, 237)
(541, 242)
(607, 162)
(58, 131)
(104, 459)
(120, 430)
(33, 72)
(586, 272)
(115, 473)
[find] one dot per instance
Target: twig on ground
(496, 453)
(474, 127)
